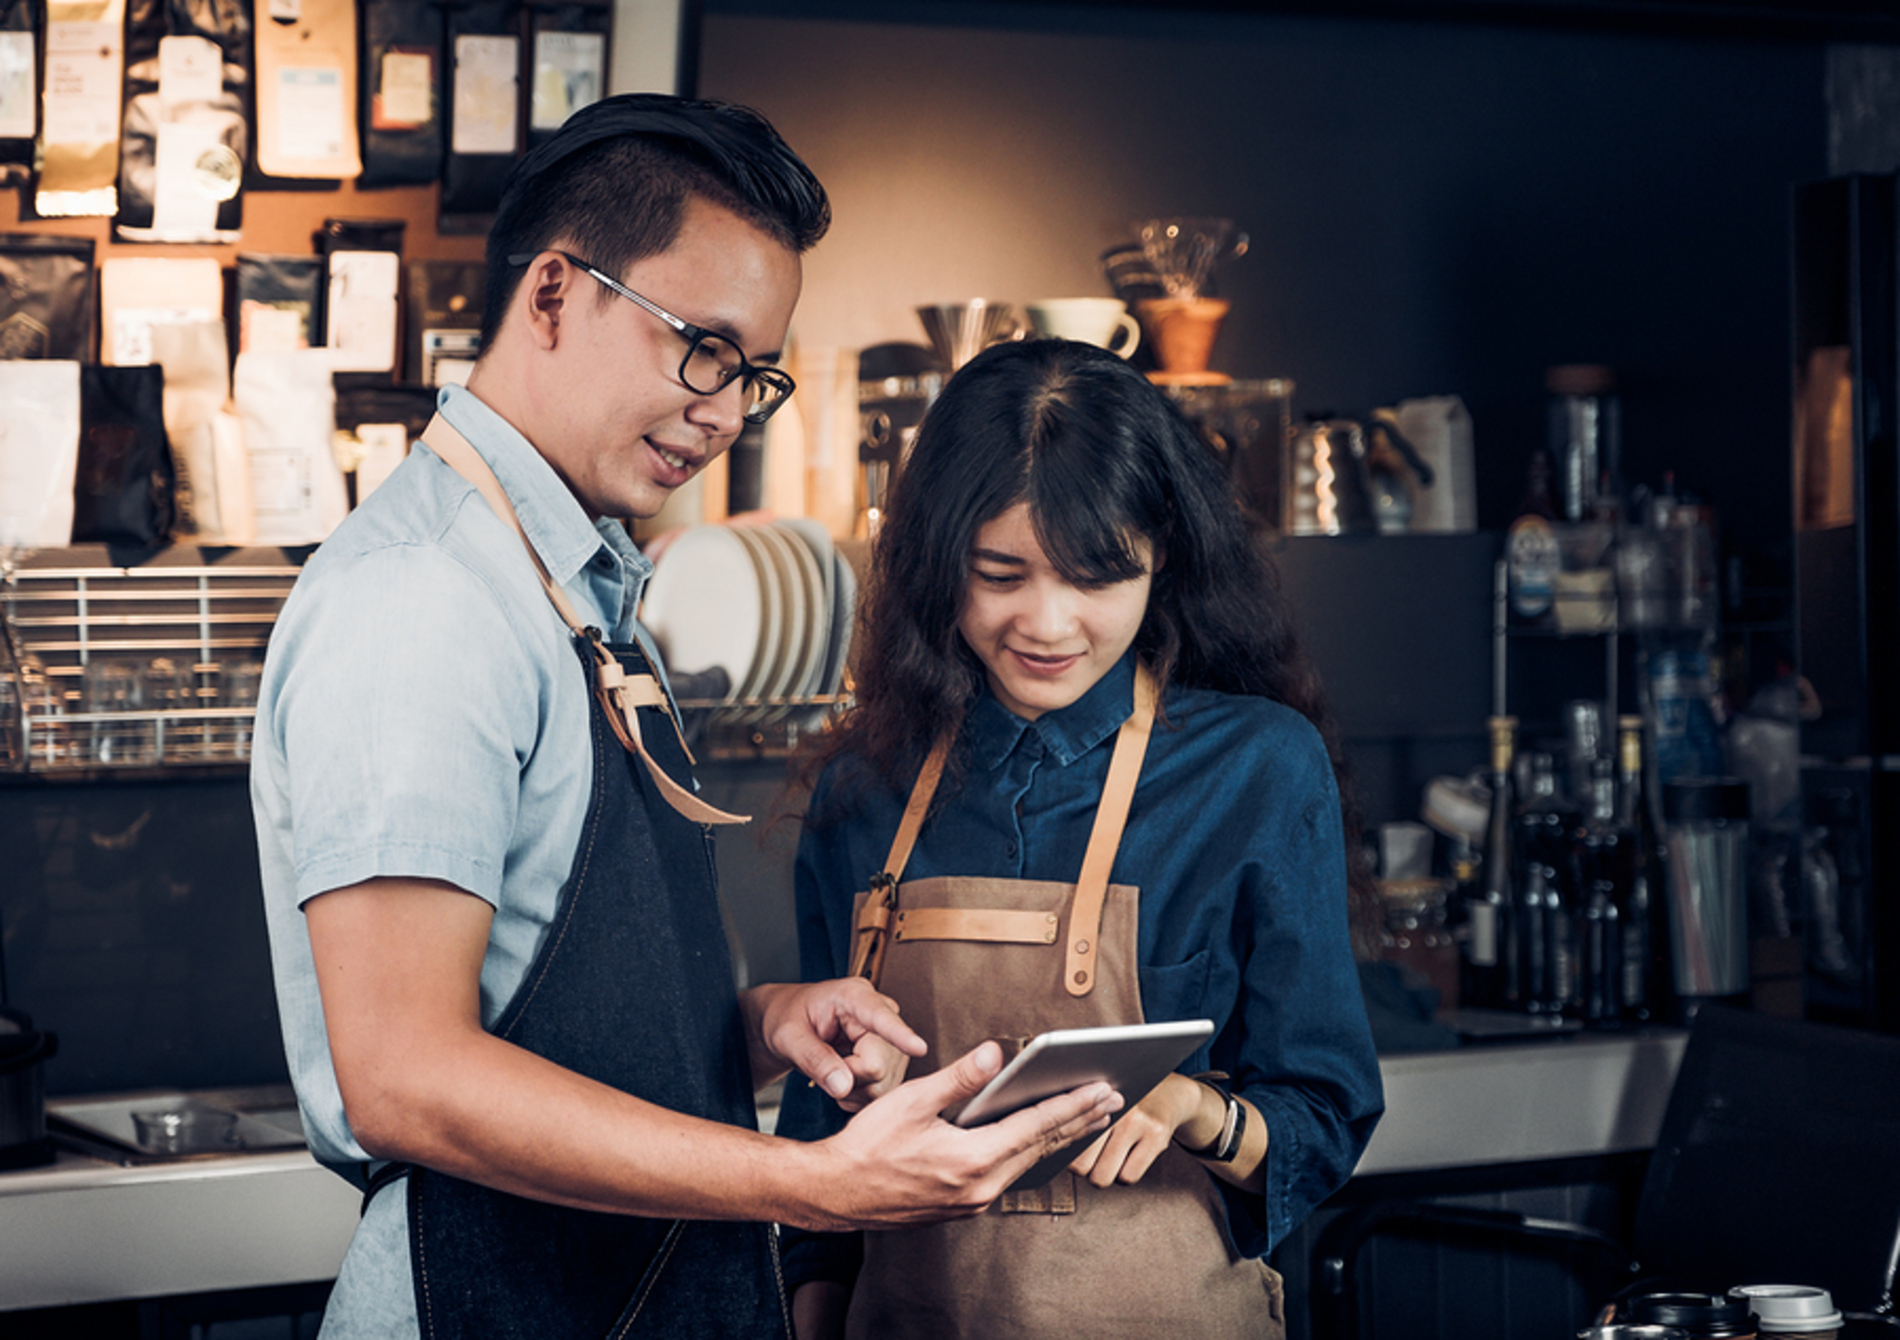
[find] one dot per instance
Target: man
(505, 996)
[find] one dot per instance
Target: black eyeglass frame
(748, 373)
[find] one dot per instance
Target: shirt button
(1010, 851)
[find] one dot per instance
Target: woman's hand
(1130, 1147)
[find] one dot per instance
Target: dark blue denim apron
(633, 987)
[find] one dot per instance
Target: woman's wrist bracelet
(1232, 1130)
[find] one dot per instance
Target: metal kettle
(1345, 475)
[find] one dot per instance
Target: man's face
(613, 417)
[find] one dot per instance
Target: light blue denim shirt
(422, 714)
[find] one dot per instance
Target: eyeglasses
(712, 361)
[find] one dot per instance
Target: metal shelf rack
(110, 669)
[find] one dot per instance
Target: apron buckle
(874, 925)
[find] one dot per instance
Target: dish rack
(730, 730)
(110, 669)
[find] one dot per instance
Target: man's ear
(544, 291)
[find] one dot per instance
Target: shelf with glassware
(133, 671)
(1571, 898)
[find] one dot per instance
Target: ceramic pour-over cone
(959, 331)
(1181, 332)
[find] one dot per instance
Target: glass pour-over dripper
(1184, 251)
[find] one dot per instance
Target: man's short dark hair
(613, 185)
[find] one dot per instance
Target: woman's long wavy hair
(1101, 457)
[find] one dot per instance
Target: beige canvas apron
(969, 959)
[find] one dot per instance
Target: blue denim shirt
(1234, 840)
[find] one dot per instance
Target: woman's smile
(1043, 640)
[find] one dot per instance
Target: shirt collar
(1066, 733)
(551, 517)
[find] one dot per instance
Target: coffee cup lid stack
(1791, 1311)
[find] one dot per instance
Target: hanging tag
(190, 69)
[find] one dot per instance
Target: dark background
(1436, 205)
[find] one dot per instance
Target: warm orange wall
(279, 223)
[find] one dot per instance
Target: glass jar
(1416, 933)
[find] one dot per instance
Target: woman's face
(1043, 640)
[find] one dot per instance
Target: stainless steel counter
(84, 1230)
(1522, 1102)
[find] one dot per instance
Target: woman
(1079, 681)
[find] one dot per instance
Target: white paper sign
(384, 446)
(39, 452)
(82, 83)
(16, 86)
(132, 330)
(405, 95)
(487, 76)
(272, 330)
(288, 405)
(361, 329)
(567, 75)
(180, 203)
(190, 69)
(310, 119)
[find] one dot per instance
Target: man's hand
(899, 1162)
(843, 1034)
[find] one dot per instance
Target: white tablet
(1133, 1058)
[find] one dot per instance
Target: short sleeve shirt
(423, 714)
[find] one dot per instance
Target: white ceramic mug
(1100, 321)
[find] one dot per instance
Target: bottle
(1601, 873)
(1541, 950)
(1585, 428)
(1645, 960)
(1487, 910)
(1466, 868)
(1531, 549)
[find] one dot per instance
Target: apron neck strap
(1111, 817)
(620, 693)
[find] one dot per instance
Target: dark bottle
(1540, 952)
(1601, 872)
(1487, 908)
(1646, 980)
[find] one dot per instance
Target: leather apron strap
(880, 920)
(619, 692)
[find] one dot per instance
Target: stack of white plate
(772, 605)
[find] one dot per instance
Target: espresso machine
(897, 382)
